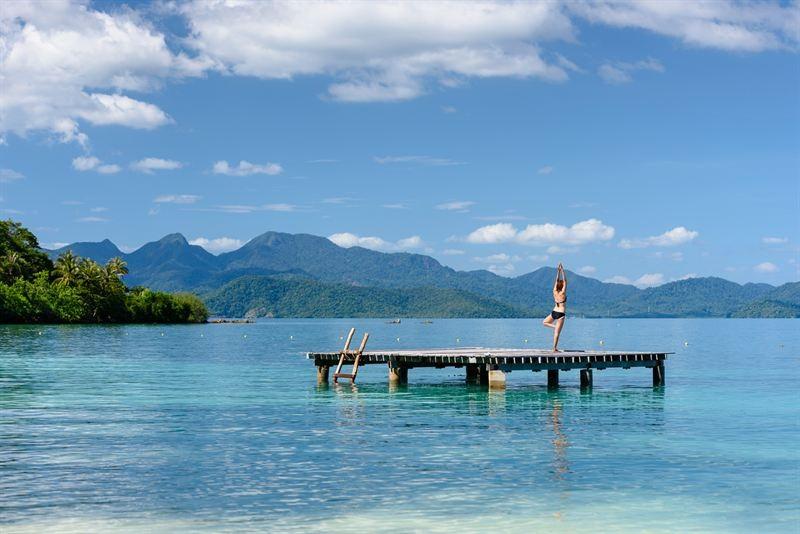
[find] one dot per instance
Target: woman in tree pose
(556, 318)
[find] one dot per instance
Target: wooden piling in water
(658, 375)
(552, 378)
(586, 378)
(497, 379)
(322, 374)
(398, 374)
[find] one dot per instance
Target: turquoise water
(222, 427)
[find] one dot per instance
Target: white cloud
(245, 168)
(85, 163)
(64, 62)
(620, 72)
(279, 207)
(98, 209)
(91, 163)
(456, 205)
(148, 165)
(347, 240)
(493, 233)
(396, 206)
(176, 199)
(766, 267)
(418, 160)
(505, 269)
(506, 217)
(379, 51)
(108, 169)
(588, 269)
(547, 169)
(588, 231)
(721, 24)
(646, 280)
(449, 109)
(217, 245)
(677, 236)
(452, 252)
(539, 258)
(10, 175)
(497, 258)
(775, 240)
(92, 219)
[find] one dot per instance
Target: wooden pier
(488, 365)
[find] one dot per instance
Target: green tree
(20, 255)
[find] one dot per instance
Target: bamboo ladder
(345, 353)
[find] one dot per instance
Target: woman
(556, 318)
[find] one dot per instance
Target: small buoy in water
(602, 342)
(201, 335)
(291, 337)
(245, 336)
(398, 339)
(40, 332)
(685, 343)
(162, 334)
(341, 338)
(458, 340)
(526, 341)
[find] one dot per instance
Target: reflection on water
(103, 428)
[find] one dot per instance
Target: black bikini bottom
(556, 315)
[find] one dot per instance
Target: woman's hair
(559, 285)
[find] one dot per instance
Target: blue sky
(633, 142)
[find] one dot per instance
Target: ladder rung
(343, 375)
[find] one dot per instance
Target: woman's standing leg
(557, 332)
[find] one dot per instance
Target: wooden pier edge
(487, 366)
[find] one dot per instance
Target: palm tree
(12, 265)
(116, 267)
(67, 269)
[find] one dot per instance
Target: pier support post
(658, 375)
(398, 374)
(483, 375)
(586, 378)
(472, 372)
(497, 379)
(322, 374)
(552, 378)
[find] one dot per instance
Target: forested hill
(314, 262)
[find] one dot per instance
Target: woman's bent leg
(548, 321)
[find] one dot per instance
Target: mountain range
(301, 275)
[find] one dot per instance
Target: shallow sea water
(223, 428)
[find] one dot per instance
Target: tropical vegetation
(35, 289)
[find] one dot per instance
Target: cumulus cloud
(620, 72)
(149, 165)
(452, 252)
(721, 24)
(497, 258)
(245, 168)
(679, 235)
(646, 280)
(775, 240)
(92, 219)
(10, 175)
(588, 231)
(766, 267)
(91, 163)
(347, 240)
(379, 51)
(418, 160)
(217, 245)
(176, 199)
(456, 205)
(62, 62)
(588, 269)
